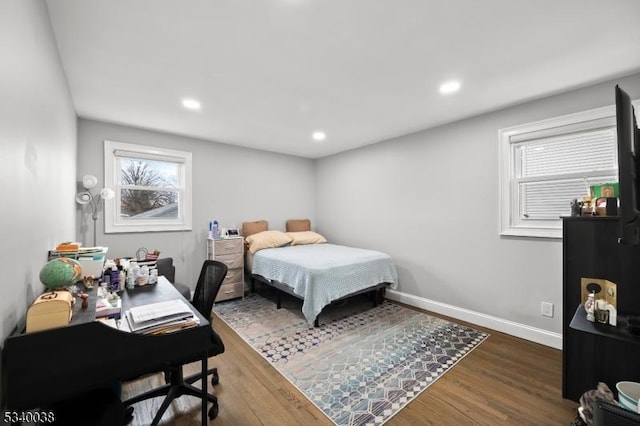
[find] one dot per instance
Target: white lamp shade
(89, 181)
(107, 193)
(83, 197)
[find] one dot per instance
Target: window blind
(555, 170)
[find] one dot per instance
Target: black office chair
(166, 268)
(209, 282)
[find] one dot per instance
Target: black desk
(45, 367)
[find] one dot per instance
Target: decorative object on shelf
(605, 297)
(605, 190)
(587, 209)
(60, 272)
(576, 207)
(141, 254)
(590, 307)
(94, 200)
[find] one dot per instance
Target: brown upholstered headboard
(298, 225)
(250, 228)
(293, 225)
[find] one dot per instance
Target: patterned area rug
(363, 364)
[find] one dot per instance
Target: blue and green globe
(60, 272)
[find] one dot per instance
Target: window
(152, 186)
(545, 165)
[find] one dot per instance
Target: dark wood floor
(505, 381)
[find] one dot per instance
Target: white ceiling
(269, 73)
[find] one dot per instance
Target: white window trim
(112, 224)
(508, 137)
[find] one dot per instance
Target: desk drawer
(231, 260)
(230, 246)
(230, 291)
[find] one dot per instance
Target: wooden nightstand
(229, 251)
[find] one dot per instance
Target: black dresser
(598, 353)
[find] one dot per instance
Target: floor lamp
(93, 200)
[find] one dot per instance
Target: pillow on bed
(306, 237)
(250, 228)
(267, 239)
(298, 225)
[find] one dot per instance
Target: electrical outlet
(546, 309)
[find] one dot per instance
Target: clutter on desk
(108, 303)
(143, 255)
(68, 246)
(85, 299)
(91, 259)
(51, 309)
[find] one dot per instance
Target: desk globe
(60, 272)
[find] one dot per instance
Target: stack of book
(74, 251)
(161, 317)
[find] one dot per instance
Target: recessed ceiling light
(319, 136)
(191, 104)
(449, 87)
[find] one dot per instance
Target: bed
(303, 264)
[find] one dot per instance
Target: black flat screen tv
(628, 169)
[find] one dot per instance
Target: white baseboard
(526, 332)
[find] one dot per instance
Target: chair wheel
(213, 411)
(215, 378)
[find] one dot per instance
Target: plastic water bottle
(134, 271)
(215, 230)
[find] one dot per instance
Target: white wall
(230, 184)
(37, 154)
(431, 201)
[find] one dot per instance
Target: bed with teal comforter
(322, 273)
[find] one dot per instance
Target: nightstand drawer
(231, 260)
(230, 291)
(229, 246)
(233, 276)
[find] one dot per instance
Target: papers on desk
(161, 317)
